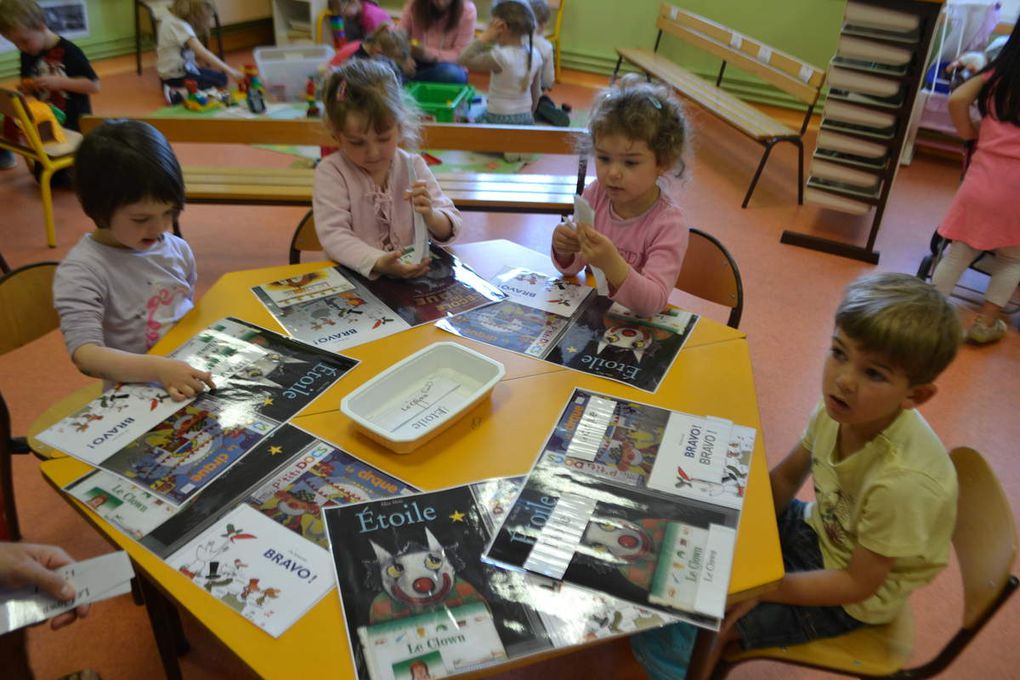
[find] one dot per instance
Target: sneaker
(8, 159)
(665, 652)
(981, 334)
(550, 113)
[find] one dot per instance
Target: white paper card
(430, 400)
(560, 537)
(805, 72)
(308, 286)
(693, 451)
(736, 40)
(539, 291)
(583, 212)
(672, 319)
(93, 580)
(421, 234)
(715, 572)
(591, 428)
(764, 54)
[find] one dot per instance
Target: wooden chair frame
(154, 24)
(710, 272)
(985, 542)
(12, 104)
(305, 239)
(554, 36)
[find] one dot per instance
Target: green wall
(807, 29)
(592, 29)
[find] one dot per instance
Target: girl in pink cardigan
(439, 30)
(638, 239)
(364, 197)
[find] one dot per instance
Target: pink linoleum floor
(790, 297)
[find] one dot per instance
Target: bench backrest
(786, 72)
(312, 132)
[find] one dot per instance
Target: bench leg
(138, 41)
(757, 173)
(800, 170)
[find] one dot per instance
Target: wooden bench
(791, 75)
(480, 192)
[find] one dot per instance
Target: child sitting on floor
(638, 239)
(885, 491)
(545, 108)
(385, 42)
(506, 50)
(179, 51)
(122, 287)
(361, 194)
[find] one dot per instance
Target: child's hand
(48, 82)
(390, 265)
(492, 31)
(235, 75)
(600, 252)
(421, 199)
(180, 380)
(565, 242)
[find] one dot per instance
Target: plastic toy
(313, 107)
(28, 87)
(204, 100)
(46, 122)
(336, 27)
(252, 87)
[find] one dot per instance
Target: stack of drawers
(872, 82)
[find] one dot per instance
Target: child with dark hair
(439, 31)
(386, 43)
(362, 193)
(984, 214)
(122, 287)
(54, 69)
(638, 239)
(506, 50)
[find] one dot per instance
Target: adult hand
(390, 265)
(565, 242)
(23, 564)
(180, 380)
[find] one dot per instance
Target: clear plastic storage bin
(285, 70)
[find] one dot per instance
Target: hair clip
(655, 102)
(341, 93)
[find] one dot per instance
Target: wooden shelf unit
(874, 79)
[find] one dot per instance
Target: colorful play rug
(448, 161)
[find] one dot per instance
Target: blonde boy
(885, 490)
(53, 68)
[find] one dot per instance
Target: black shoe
(550, 113)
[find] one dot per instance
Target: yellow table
(712, 375)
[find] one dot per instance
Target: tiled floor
(790, 296)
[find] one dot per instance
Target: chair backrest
(26, 305)
(304, 239)
(14, 106)
(985, 538)
(711, 273)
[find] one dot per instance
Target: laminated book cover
(336, 308)
(173, 450)
(569, 325)
(127, 506)
(417, 597)
(634, 501)
(267, 574)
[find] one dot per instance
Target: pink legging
(1005, 271)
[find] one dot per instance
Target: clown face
(617, 540)
(417, 578)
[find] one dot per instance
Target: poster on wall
(66, 18)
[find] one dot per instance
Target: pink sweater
(358, 222)
(438, 43)
(653, 244)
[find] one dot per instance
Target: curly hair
(641, 111)
(371, 88)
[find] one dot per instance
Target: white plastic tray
(414, 400)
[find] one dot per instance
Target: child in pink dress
(638, 239)
(984, 214)
(364, 195)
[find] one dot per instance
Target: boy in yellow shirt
(885, 490)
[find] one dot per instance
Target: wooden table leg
(166, 627)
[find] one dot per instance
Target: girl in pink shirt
(638, 239)
(439, 30)
(364, 196)
(361, 17)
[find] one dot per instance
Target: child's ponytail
(520, 20)
(1003, 86)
